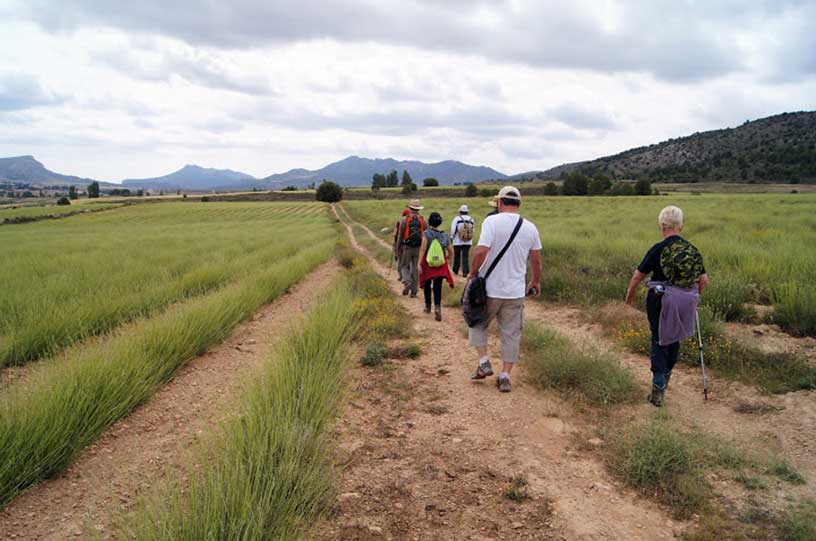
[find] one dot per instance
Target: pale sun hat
(494, 202)
(509, 192)
(464, 208)
(414, 205)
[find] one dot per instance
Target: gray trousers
(409, 268)
(509, 314)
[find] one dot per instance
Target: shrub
(375, 354)
(409, 188)
(329, 192)
(550, 189)
(517, 491)
(557, 364)
(795, 309)
(488, 192)
(63, 201)
(727, 297)
(471, 190)
(430, 182)
(799, 523)
(643, 187)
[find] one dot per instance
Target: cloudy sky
(111, 90)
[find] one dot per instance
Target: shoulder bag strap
(506, 246)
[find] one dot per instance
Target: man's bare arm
(479, 256)
(535, 270)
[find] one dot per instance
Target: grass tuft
(375, 354)
(799, 523)
(517, 491)
(556, 363)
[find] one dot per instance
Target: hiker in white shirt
(462, 226)
(506, 285)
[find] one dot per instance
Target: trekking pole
(702, 361)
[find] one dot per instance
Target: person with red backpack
(396, 244)
(410, 233)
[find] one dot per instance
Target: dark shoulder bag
(474, 297)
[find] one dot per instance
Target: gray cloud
(584, 118)
(672, 40)
(20, 90)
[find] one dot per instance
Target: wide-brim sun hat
(494, 202)
(464, 208)
(414, 205)
(509, 192)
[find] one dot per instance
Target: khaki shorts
(509, 314)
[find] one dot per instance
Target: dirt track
(530, 432)
(150, 444)
(430, 454)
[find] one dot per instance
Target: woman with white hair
(678, 278)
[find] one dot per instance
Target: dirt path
(784, 424)
(149, 444)
(429, 454)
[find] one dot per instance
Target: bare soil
(150, 444)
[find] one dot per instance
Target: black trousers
(663, 357)
(461, 255)
(436, 283)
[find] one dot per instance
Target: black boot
(655, 398)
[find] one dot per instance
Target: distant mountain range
(356, 171)
(780, 148)
(26, 169)
(193, 177)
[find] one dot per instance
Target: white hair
(670, 217)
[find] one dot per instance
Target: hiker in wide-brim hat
(409, 235)
(678, 279)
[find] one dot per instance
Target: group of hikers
(497, 282)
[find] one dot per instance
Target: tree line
(391, 180)
(600, 184)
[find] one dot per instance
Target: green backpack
(436, 255)
(682, 263)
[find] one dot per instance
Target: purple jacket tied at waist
(677, 311)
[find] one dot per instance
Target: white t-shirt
(509, 279)
(455, 230)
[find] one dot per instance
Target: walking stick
(702, 361)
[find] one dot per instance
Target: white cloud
(139, 89)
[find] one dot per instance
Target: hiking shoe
(482, 371)
(413, 294)
(656, 397)
(405, 290)
(503, 384)
(438, 313)
(427, 308)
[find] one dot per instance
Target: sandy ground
(150, 444)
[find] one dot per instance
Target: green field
(757, 248)
(217, 264)
(70, 279)
(11, 214)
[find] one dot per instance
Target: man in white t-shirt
(506, 285)
(462, 228)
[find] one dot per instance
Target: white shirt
(455, 230)
(509, 279)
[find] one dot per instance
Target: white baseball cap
(509, 192)
(464, 208)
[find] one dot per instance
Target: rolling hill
(26, 169)
(780, 148)
(357, 171)
(193, 177)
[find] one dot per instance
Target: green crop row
(64, 405)
(68, 280)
